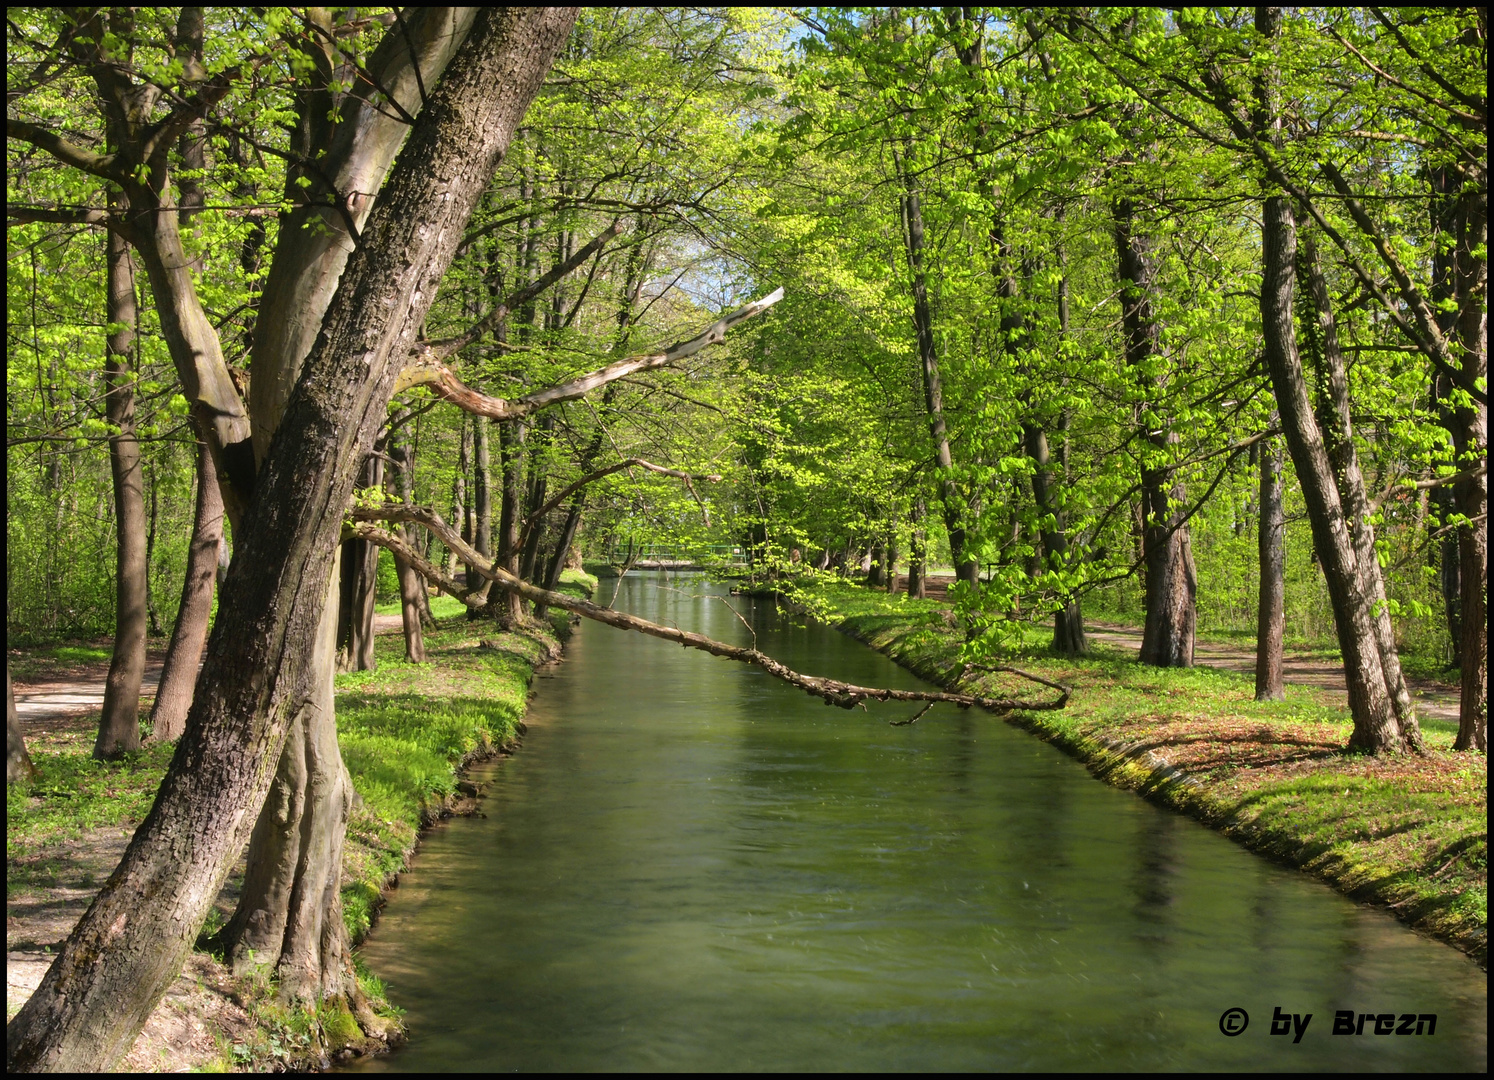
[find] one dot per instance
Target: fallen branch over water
(831, 691)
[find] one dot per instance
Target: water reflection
(692, 866)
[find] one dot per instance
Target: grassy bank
(1409, 833)
(406, 732)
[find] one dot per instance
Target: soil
(200, 1017)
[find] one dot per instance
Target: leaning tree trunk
(1321, 335)
(1270, 622)
(18, 767)
(168, 716)
(1171, 584)
(119, 725)
(1376, 727)
(130, 945)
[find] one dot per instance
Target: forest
(1173, 319)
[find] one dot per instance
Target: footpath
(407, 732)
(1405, 832)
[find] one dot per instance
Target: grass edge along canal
(1403, 832)
(407, 731)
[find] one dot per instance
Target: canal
(690, 865)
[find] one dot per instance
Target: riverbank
(1406, 833)
(406, 731)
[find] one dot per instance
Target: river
(690, 865)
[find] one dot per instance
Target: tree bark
(119, 725)
(511, 434)
(482, 494)
(966, 569)
(1461, 212)
(918, 554)
(461, 511)
(1376, 727)
(358, 589)
(411, 585)
(1168, 635)
(168, 716)
(129, 946)
(18, 766)
(1270, 622)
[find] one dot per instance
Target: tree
(260, 667)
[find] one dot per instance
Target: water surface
(690, 865)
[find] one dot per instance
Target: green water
(691, 866)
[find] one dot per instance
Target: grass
(1406, 831)
(406, 731)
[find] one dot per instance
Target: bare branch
(443, 382)
(831, 691)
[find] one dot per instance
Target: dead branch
(429, 370)
(831, 691)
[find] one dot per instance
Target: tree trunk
(358, 589)
(511, 435)
(1168, 634)
(1376, 727)
(461, 515)
(290, 910)
(1463, 225)
(966, 570)
(129, 946)
(918, 555)
(1068, 621)
(119, 725)
(1338, 438)
(538, 484)
(876, 566)
(1271, 604)
(168, 716)
(482, 499)
(411, 585)
(18, 767)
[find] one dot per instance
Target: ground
(406, 732)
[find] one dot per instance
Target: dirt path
(1432, 700)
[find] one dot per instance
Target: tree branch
(443, 382)
(104, 166)
(831, 691)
